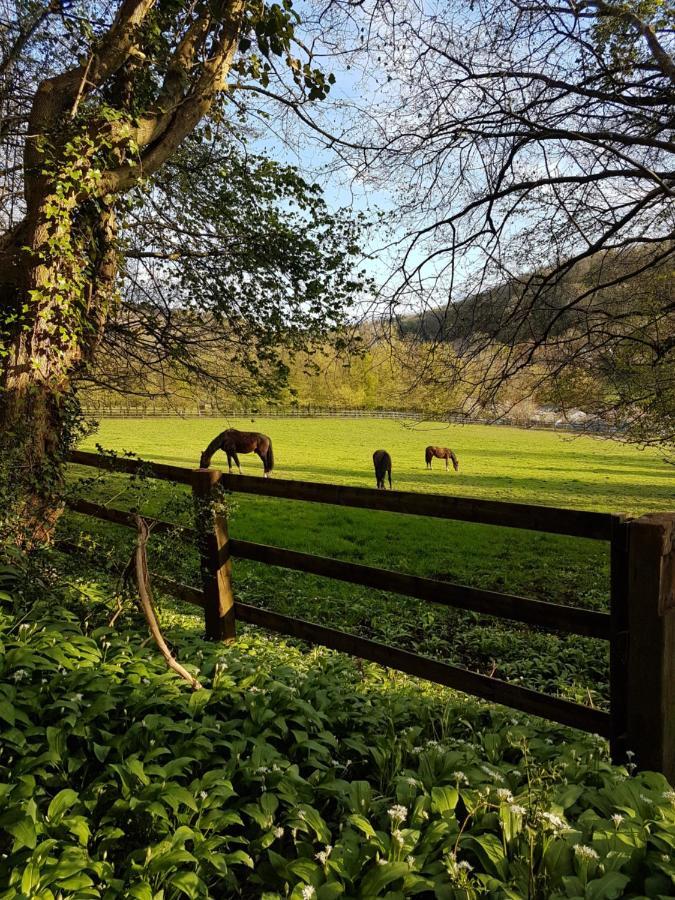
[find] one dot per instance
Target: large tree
(96, 97)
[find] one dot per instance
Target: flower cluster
(397, 814)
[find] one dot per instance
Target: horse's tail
(269, 456)
(389, 473)
(428, 455)
(455, 461)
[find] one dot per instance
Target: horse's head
(204, 460)
(455, 464)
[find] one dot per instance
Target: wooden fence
(302, 411)
(640, 626)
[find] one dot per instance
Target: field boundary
(148, 411)
(640, 626)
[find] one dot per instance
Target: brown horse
(232, 442)
(382, 463)
(441, 453)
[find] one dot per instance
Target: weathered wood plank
(521, 609)
(216, 565)
(618, 647)
(568, 619)
(650, 701)
(122, 517)
(131, 466)
(493, 689)
(580, 523)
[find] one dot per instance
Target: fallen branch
(147, 606)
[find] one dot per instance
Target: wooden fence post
(215, 561)
(650, 701)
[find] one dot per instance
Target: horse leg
(258, 452)
(446, 463)
(236, 459)
(229, 462)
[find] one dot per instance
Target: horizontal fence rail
(579, 523)
(493, 689)
(555, 616)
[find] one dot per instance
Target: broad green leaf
(380, 876)
(23, 832)
(189, 883)
(7, 712)
(444, 799)
(609, 887)
(75, 882)
(31, 877)
(488, 848)
(63, 801)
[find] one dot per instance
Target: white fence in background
(150, 410)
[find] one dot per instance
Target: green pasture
(518, 465)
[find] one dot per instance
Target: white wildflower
(323, 855)
(465, 865)
(307, 892)
(397, 813)
(411, 781)
(505, 795)
(630, 754)
(617, 819)
(19, 675)
(278, 832)
(460, 777)
(496, 776)
(203, 795)
(397, 838)
(382, 862)
(669, 796)
(585, 853)
(410, 861)
(516, 809)
(556, 823)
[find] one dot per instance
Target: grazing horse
(441, 453)
(232, 442)
(382, 463)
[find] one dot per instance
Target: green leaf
(488, 848)
(444, 799)
(380, 876)
(360, 796)
(23, 833)
(363, 825)
(188, 883)
(7, 712)
(609, 887)
(63, 801)
(76, 882)
(31, 877)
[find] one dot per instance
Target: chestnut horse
(232, 442)
(382, 463)
(441, 453)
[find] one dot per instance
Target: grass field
(496, 463)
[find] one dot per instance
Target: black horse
(382, 463)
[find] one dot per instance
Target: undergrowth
(293, 773)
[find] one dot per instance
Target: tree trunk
(58, 294)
